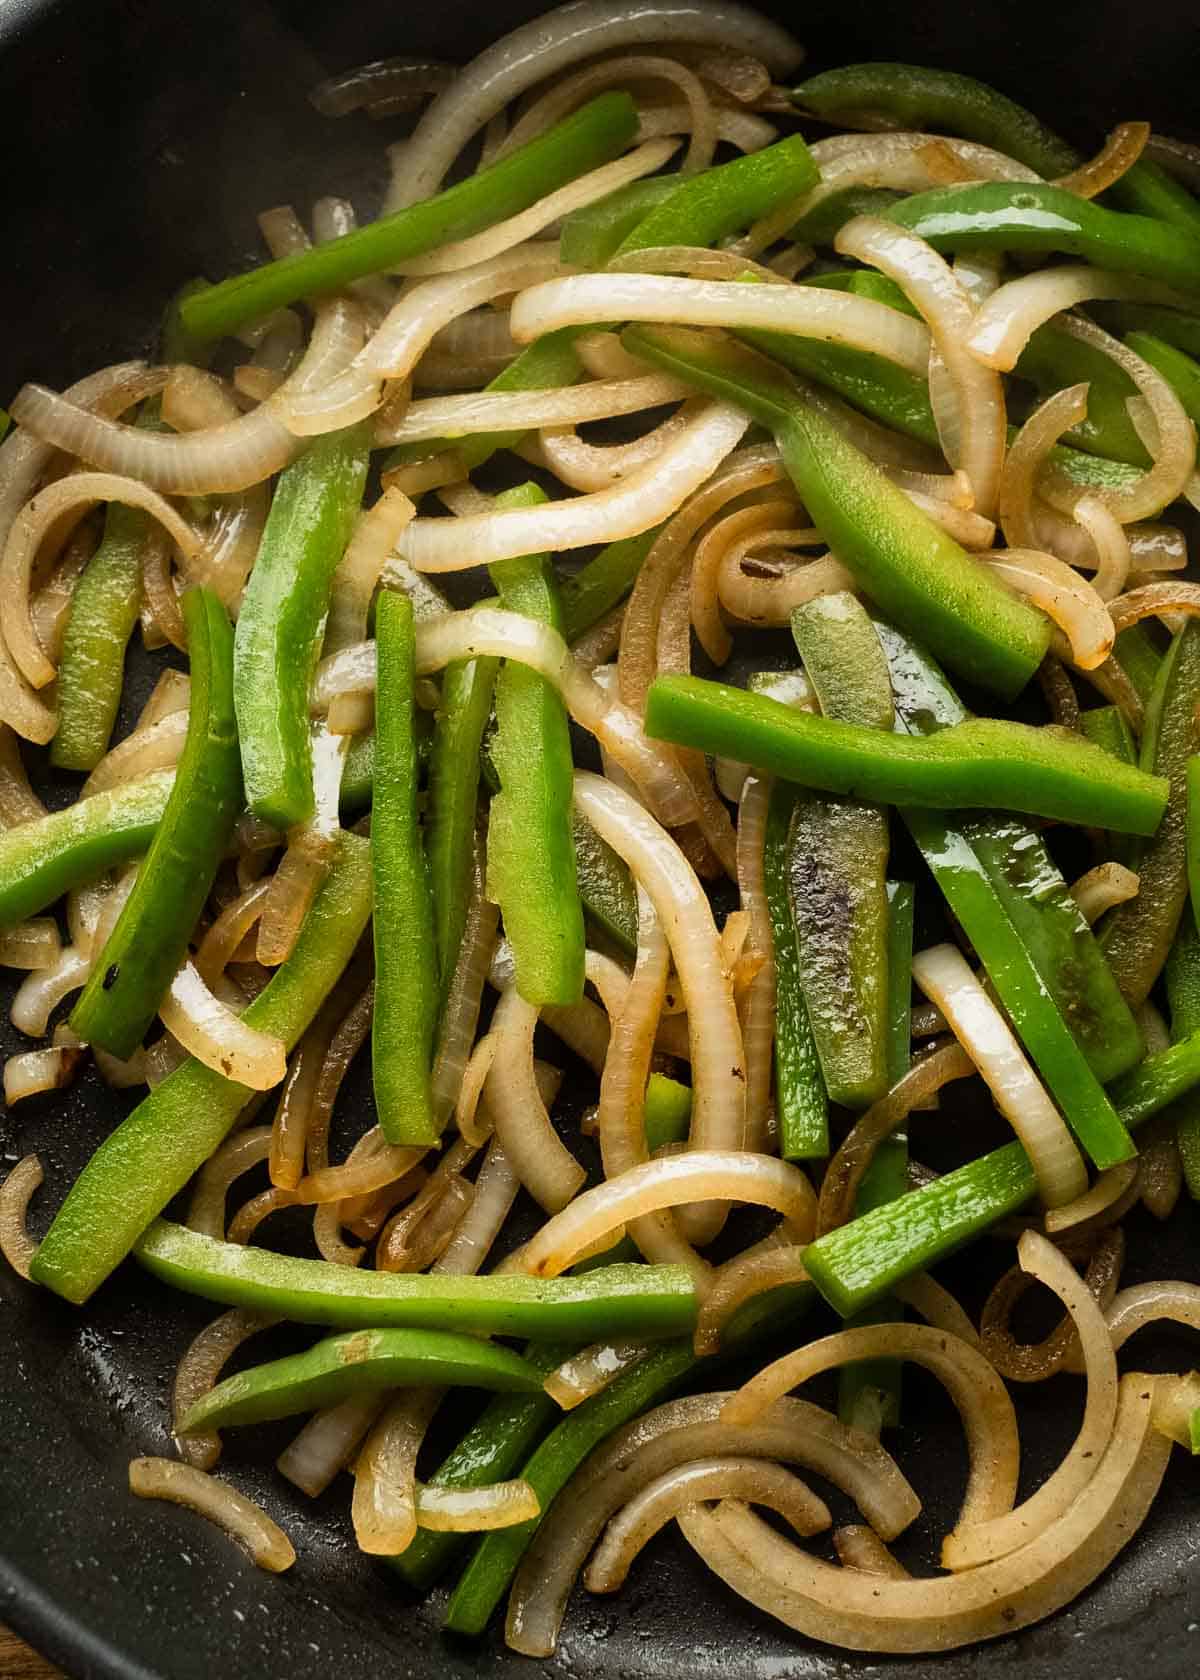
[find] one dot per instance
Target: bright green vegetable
(603, 582)
(462, 716)
(531, 849)
(606, 888)
(1183, 999)
(855, 1264)
(709, 207)
(1180, 370)
(982, 762)
(890, 394)
(357, 1362)
(1053, 359)
(1139, 657)
(819, 226)
(150, 940)
(635, 1301)
(43, 859)
(1138, 934)
(589, 137)
(590, 236)
(801, 1103)
(837, 863)
(172, 1132)
(1107, 728)
(1025, 216)
(406, 975)
(282, 620)
(907, 564)
(1172, 325)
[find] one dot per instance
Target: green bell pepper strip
(531, 850)
(1139, 657)
(357, 1362)
(983, 762)
(820, 225)
(637, 1301)
(172, 1132)
(104, 614)
(801, 1104)
(1139, 933)
(1027, 889)
(150, 940)
(1173, 326)
(918, 97)
(358, 773)
(592, 235)
(406, 975)
(496, 1556)
(870, 383)
(282, 620)
(837, 863)
(869, 1391)
(591, 136)
(1107, 728)
(1181, 371)
(1183, 999)
(493, 1449)
(1193, 835)
(709, 207)
(41, 860)
(1028, 217)
(855, 1264)
(667, 1113)
(606, 888)
(462, 716)
(603, 582)
(910, 567)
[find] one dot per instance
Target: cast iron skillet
(139, 140)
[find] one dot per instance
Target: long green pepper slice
(591, 235)
(911, 568)
(361, 1361)
(531, 850)
(150, 940)
(282, 620)
(1183, 1000)
(709, 207)
(603, 582)
(173, 1131)
(406, 976)
(1181, 371)
(462, 716)
(801, 1104)
(43, 859)
(593, 135)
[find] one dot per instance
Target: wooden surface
(18, 1662)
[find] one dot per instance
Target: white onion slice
(241, 1518)
(1010, 317)
(209, 1030)
(1102, 888)
(945, 977)
(496, 411)
(539, 1158)
(16, 1192)
(197, 1374)
(1065, 597)
(475, 1510)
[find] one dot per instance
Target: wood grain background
(18, 1662)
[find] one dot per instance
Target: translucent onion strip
(197, 1374)
(540, 1159)
(1026, 455)
(967, 1547)
(241, 1518)
(1103, 888)
(31, 1073)
(944, 976)
(590, 1371)
(1152, 1303)
(572, 405)
(328, 1442)
(16, 1192)
(1119, 153)
(31, 944)
(209, 1030)
(475, 1510)
(237, 1155)
(1011, 316)
(1067, 599)
(384, 1507)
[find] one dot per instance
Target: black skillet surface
(139, 140)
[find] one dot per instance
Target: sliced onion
(1108, 538)
(159, 746)
(1067, 599)
(495, 1191)
(1161, 1182)
(680, 1432)
(764, 593)
(540, 1159)
(40, 993)
(757, 1007)
(936, 1306)
(1152, 1303)
(1102, 889)
(1116, 157)
(251, 1214)
(358, 573)
(549, 44)
(371, 1165)
(1175, 1400)
(591, 1370)
(633, 506)
(811, 312)
(34, 944)
(864, 1612)
(241, 1152)
(209, 1030)
(739, 530)
(460, 1016)
(671, 1181)
(980, 431)
(243, 1520)
(589, 466)
(476, 1510)
(421, 1232)
(385, 1494)
(328, 1442)
(737, 1281)
(33, 1072)
(569, 405)
(382, 79)
(1026, 456)
(859, 1547)
(1010, 317)
(969, 1546)
(16, 1192)
(946, 979)
(198, 1371)
(18, 802)
(1026, 1362)
(755, 1481)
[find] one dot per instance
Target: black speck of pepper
(111, 976)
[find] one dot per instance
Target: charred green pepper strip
(983, 762)
(800, 1101)
(1139, 933)
(820, 225)
(406, 978)
(915, 96)
(1024, 216)
(869, 1391)
(1183, 999)
(358, 1362)
(496, 1556)
(906, 563)
(43, 859)
(709, 207)
(636, 1301)
(1028, 890)
(1180, 370)
(589, 137)
(172, 1132)
(606, 888)
(282, 620)
(531, 850)
(837, 863)
(150, 940)
(855, 1264)
(603, 582)
(590, 236)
